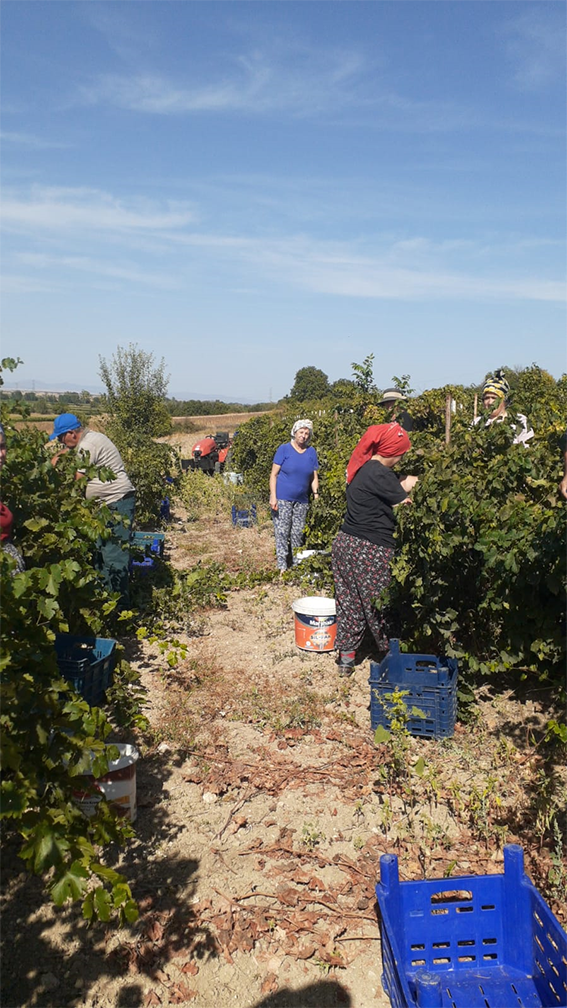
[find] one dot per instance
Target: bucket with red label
(118, 785)
(315, 623)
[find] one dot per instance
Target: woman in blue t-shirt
(294, 471)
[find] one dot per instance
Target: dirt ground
(263, 809)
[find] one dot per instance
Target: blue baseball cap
(64, 423)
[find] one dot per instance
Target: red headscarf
(6, 519)
(386, 439)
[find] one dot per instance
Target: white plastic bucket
(315, 623)
(118, 785)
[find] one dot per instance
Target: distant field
(202, 424)
(47, 425)
(219, 421)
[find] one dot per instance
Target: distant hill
(34, 385)
(37, 386)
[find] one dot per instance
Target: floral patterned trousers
(361, 570)
(289, 522)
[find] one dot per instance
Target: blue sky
(249, 188)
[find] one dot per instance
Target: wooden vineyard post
(448, 419)
(475, 408)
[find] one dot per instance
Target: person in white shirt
(495, 398)
(118, 494)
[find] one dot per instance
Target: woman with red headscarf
(364, 547)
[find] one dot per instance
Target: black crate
(87, 663)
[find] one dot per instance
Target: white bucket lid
(128, 755)
(314, 605)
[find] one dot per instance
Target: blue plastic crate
(477, 941)
(431, 686)
(148, 542)
(244, 517)
(87, 663)
(143, 566)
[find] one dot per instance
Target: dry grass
(201, 687)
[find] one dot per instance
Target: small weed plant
(311, 835)
(557, 874)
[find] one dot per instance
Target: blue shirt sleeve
(280, 456)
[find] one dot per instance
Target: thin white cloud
(94, 267)
(251, 83)
(172, 254)
(14, 283)
(60, 209)
(407, 269)
(126, 36)
(535, 43)
(300, 83)
(31, 141)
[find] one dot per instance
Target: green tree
(136, 390)
(343, 387)
(310, 383)
(136, 400)
(363, 376)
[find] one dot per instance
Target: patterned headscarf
(302, 423)
(387, 440)
(496, 384)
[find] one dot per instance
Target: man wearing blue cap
(117, 494)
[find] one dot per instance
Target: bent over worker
(118, 494)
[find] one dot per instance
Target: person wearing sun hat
(363, 549)
(118, 494)
(495, 393)
(395, 401)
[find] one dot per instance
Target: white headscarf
(302, 423)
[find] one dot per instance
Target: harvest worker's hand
(55, 458)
